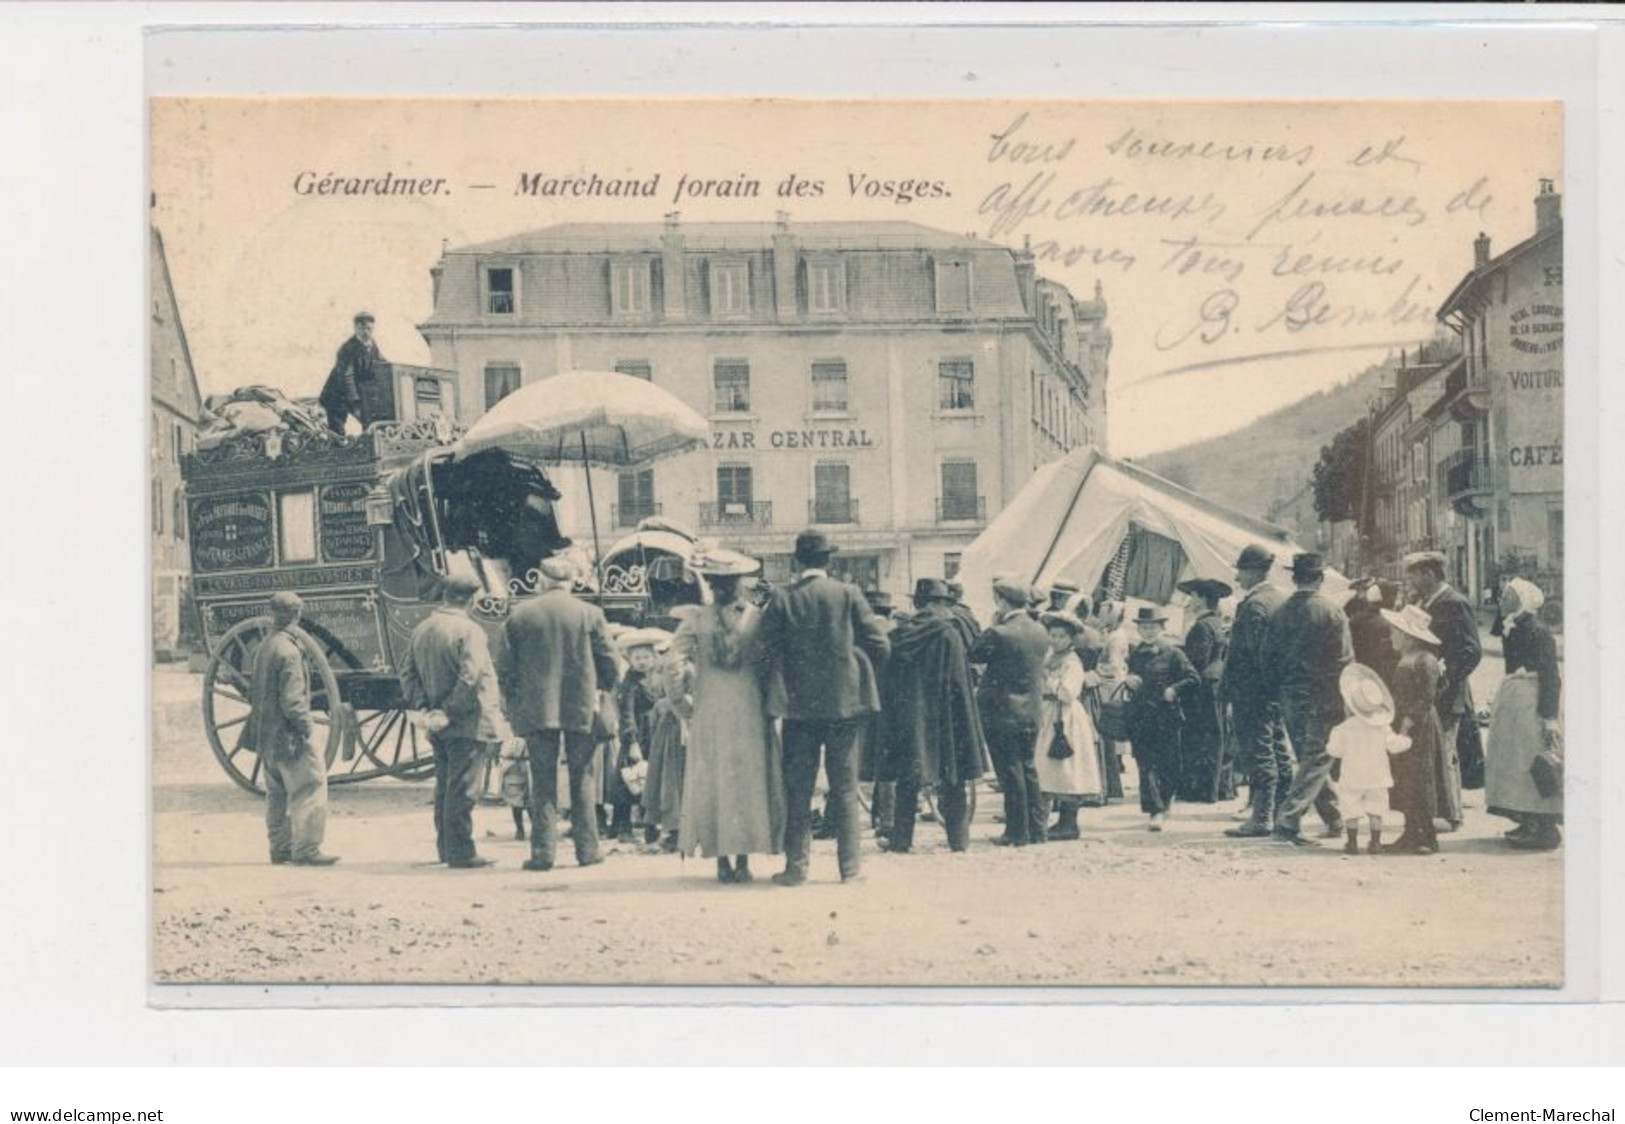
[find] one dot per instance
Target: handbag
(1059, 748)
(1546, 770)
(1113, 720)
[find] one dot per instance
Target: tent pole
(592, 512)
(1065, 519)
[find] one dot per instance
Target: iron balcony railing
(631, 514)
(727, 512)
(958, 509)
(832, 511)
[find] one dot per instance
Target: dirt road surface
(1121, 907)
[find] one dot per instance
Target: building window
(950, 565)
(501, 290)
(629, 288)
(734, 491)
(177, 441)
(826, 286)
(637, 497)
(829, 386)
(157, 507)
(956, 384)
(832, 494)
(1554, 536)
(959, 495)
(501, 380)
(428, 396)
(637, 368)
(953, 286)
(731, 385)
(177, 516)
(730, 288)
(296, 526)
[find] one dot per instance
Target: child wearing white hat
(1361, 744)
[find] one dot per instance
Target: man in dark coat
(933, 733)
(448, 670)
(823, 647)
(1204, 768)
(968, 624)
(1255, 713)
(1456, 626)
(1010, 698)
(1306, 648)
(279, 730)
(1159, 674)
(554, 658)
(355, 368)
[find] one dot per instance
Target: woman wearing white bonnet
(1523, 764)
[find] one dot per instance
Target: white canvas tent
(1071, 520)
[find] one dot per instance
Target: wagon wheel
(226, 707)
(377, 737)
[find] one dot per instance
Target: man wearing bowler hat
(1456, 626)
(1255, 713)
(279, 730)
(1158, 675)
(448, 672)
(1010, 698)
(824, 648)
(353, 370)
(1306, 648)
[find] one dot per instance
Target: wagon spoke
(230, 693)
(230, 722)
(254, 776)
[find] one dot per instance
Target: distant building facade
(1467, 448)
(176, 404)
(892, 384)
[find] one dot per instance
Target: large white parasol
(589, 418)
(598, 418)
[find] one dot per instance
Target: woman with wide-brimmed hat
(1523, 764)
(733, 791)
(1416, 689)
(1065, 756)
(1158, 674)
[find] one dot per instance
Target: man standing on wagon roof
(279, 730)
(355, 368)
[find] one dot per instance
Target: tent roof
(1070, 518)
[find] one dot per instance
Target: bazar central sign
(793, 439)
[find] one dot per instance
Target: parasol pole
(592, 513)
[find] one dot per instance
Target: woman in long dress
(1067, 780)
(1524, 723)
(733, 802)
(1416, 689)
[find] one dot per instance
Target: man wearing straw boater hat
(823, 645)
(1306, 647)
(1456, 626)
(554, 659)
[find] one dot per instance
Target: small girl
(1360, 746)
(1416, 690)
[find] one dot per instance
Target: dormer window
(729, 288)
(501, 290)
(953, 286)
(629, 288)
(826, 286)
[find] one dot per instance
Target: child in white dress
(1360, 745)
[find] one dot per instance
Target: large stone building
(175, 407)
(890, 383)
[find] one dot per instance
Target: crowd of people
(711, 738)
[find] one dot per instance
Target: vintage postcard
(916, 543)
